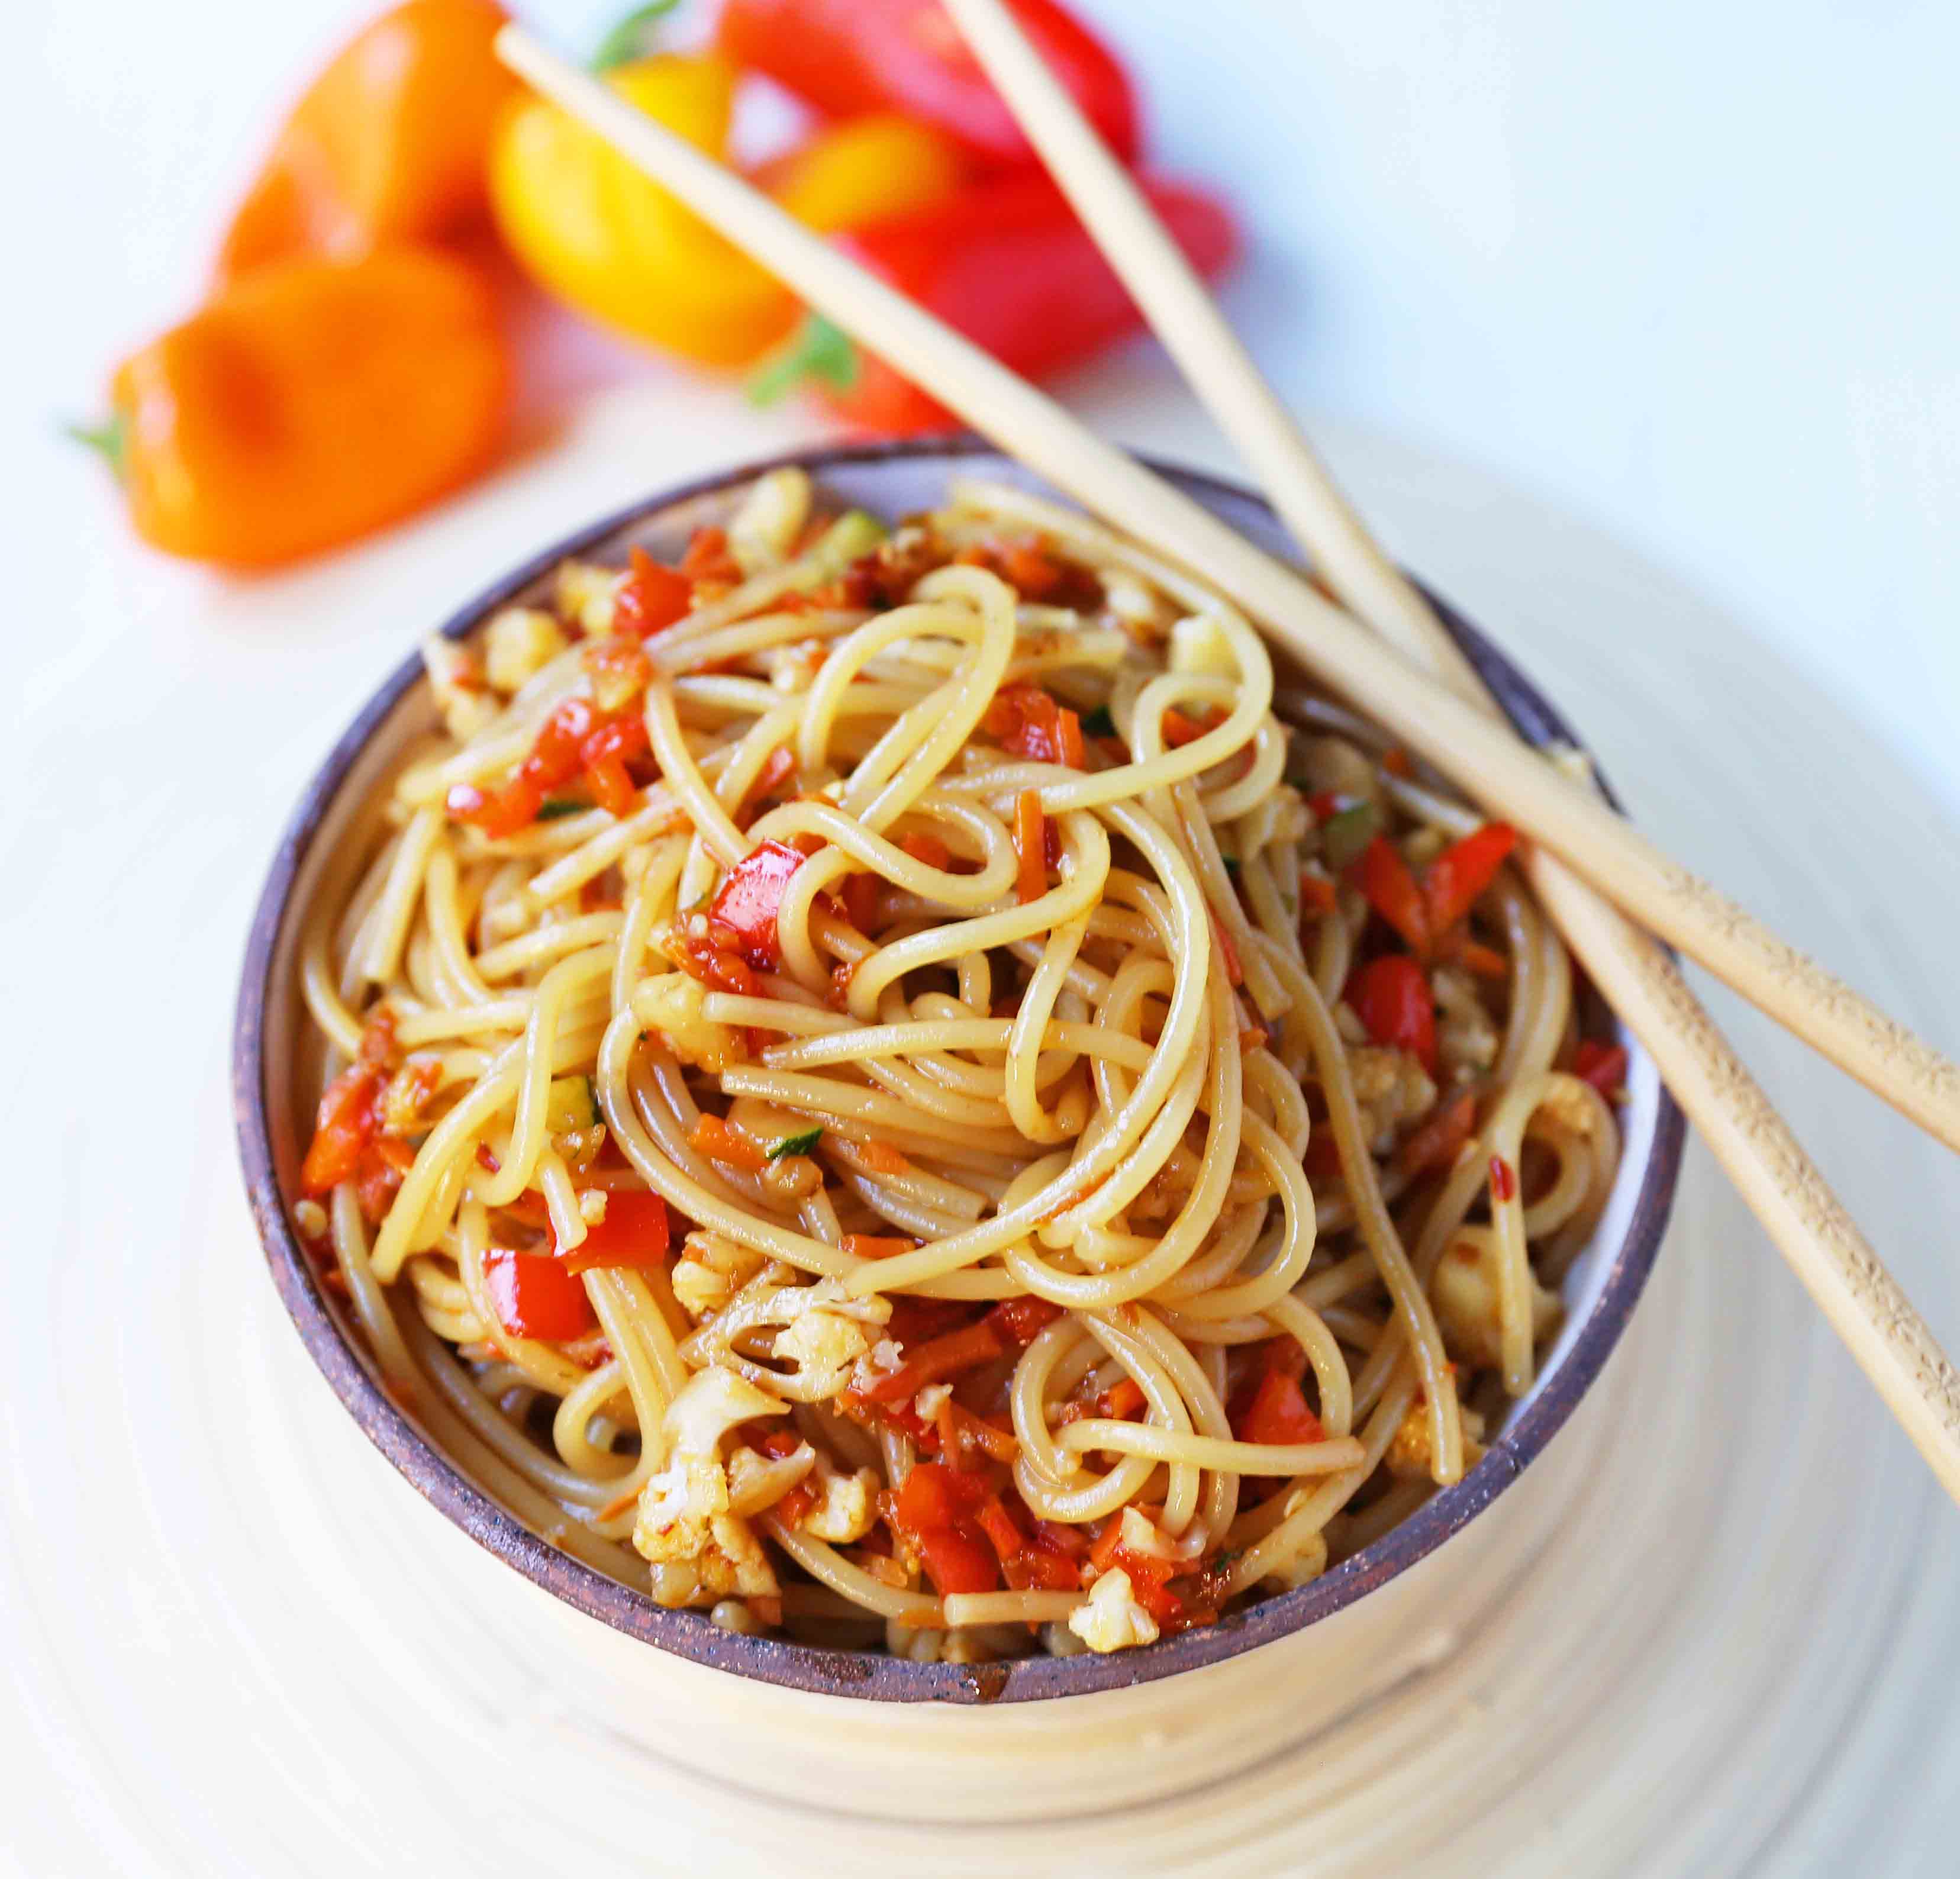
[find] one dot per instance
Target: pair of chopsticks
(1383, 648)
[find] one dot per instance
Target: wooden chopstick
(1754, 1144)
(1479, 754)
(1490, 766)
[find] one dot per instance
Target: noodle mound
(873, 1086)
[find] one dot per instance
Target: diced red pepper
(1389, 887)
(1602, 1066)
(748, 901)
(936, 1495)
(709, 561)
(651, 598)
(955, 1560)
(713, 1137)
(877, 1246)
(535, 1296)
(1179, 730)
(1029, 723)
(635, 1234)
(1451, 883)
(847, 57)
(1391, 996)
(1019, 1321)
(1279, 1415)
(1504, 1179)
(344, 1124)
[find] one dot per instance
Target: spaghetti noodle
(887, 1086)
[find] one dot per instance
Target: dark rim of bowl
(871, 1675)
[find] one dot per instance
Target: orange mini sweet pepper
(308, 403)
(387, 145)
(594, 231)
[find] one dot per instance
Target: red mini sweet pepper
(849, 56)
(1006, 262)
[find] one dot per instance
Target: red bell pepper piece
(1602, 1066)
(1451, 883)
(1391, 997)
(652, 597)
(536, 1297)
(748, 901)
(344, 1125)
(1389, 887)
(1005, 263)
(849, 56)
(634, 1234)
(1279, 1415)
(1029, 723)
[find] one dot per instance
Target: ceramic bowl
(829, 1711)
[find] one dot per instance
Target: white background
(1685, 273)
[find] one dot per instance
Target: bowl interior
(1600, 1289)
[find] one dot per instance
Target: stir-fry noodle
(884, 1086)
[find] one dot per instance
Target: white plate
(1737, 1655)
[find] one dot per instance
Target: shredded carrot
(1179, 730)
(883, 1158)
(928, 850)
(1030, 845)
(713, 1138)
(1317, 894)
(944, 1356)
(872, 1246)
(1486, 962)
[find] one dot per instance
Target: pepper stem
(818, 349)
(627, 40)
(110, 438)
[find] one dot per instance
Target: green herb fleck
(1098, 723)
(797, 1145)
(558, 807)
(1231, 865)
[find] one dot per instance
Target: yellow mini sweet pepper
(595, 232)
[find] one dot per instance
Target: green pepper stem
(818, 349)
(110, 438)
(627, 41)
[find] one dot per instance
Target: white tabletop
(1668, 275)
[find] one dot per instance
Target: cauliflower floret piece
(711, 1270)
(730, 1564)
(712, 1402)
(586, 593)
(756, 1481)
(881, 1360)
(1110, 1619)
(822, 1344)
(1465, 1293)
(699, 1551)
(520, 642)
(676, 1506)
(457, 685)
(772, 514)
(1392, 1089)
(1307, 1565)
(672, 1003)
(1466, 1035)
(1410, 1452)
(1140, 1536)
(847, 1506)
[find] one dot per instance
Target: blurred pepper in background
(845, 57)
(1007, 263)
(386, 146)
(351, 365)
(592, 230)
(309, 403)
